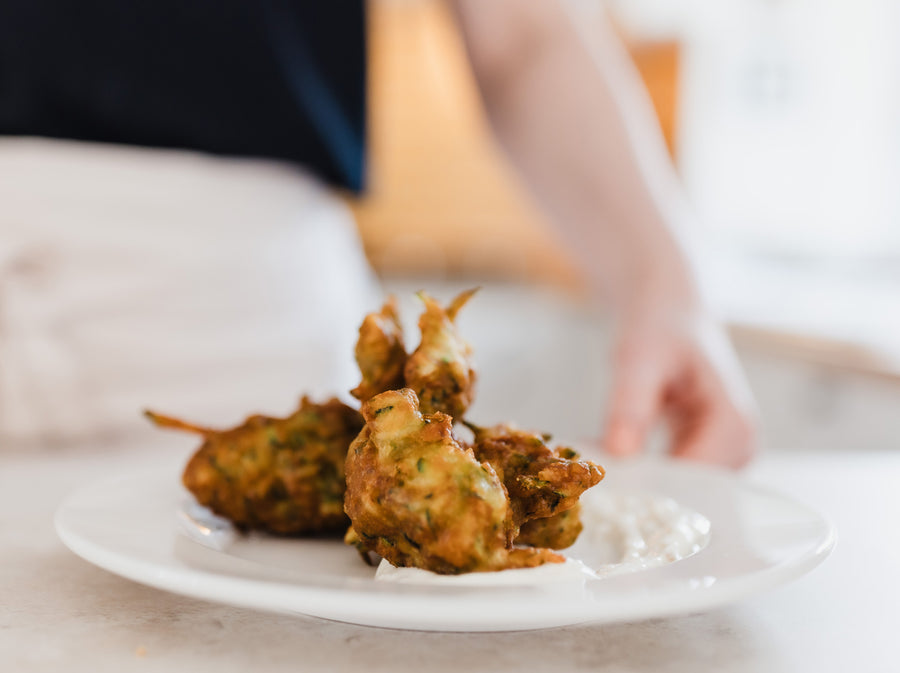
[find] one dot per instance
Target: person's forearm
(593, 155)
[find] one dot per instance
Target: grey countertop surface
(59, 613)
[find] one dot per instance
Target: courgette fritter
(440, 370)
(416, 497)
(380, 352)
(542, 483)
(280, 475)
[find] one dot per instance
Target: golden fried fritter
(440, 369)
(541, 482)
(417, 498)
(380, 352)
(559, 531)
(283, 476)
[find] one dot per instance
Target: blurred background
(782, 119)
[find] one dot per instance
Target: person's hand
(568, 106)
(681, 370)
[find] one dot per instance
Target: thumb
(635, 402)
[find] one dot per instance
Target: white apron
(204, 287)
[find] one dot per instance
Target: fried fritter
(541, 482)
(380, 352)
(559, 531)
(440, 369)
(417, 498)
(281, 475)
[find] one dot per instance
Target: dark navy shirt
(282, 79)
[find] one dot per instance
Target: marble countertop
(59, 613)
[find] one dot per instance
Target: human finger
(635, 401)
(708, 427)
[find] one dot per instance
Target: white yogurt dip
(641, 531)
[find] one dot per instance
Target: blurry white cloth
(204, 287)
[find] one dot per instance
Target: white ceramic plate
(759, 539)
